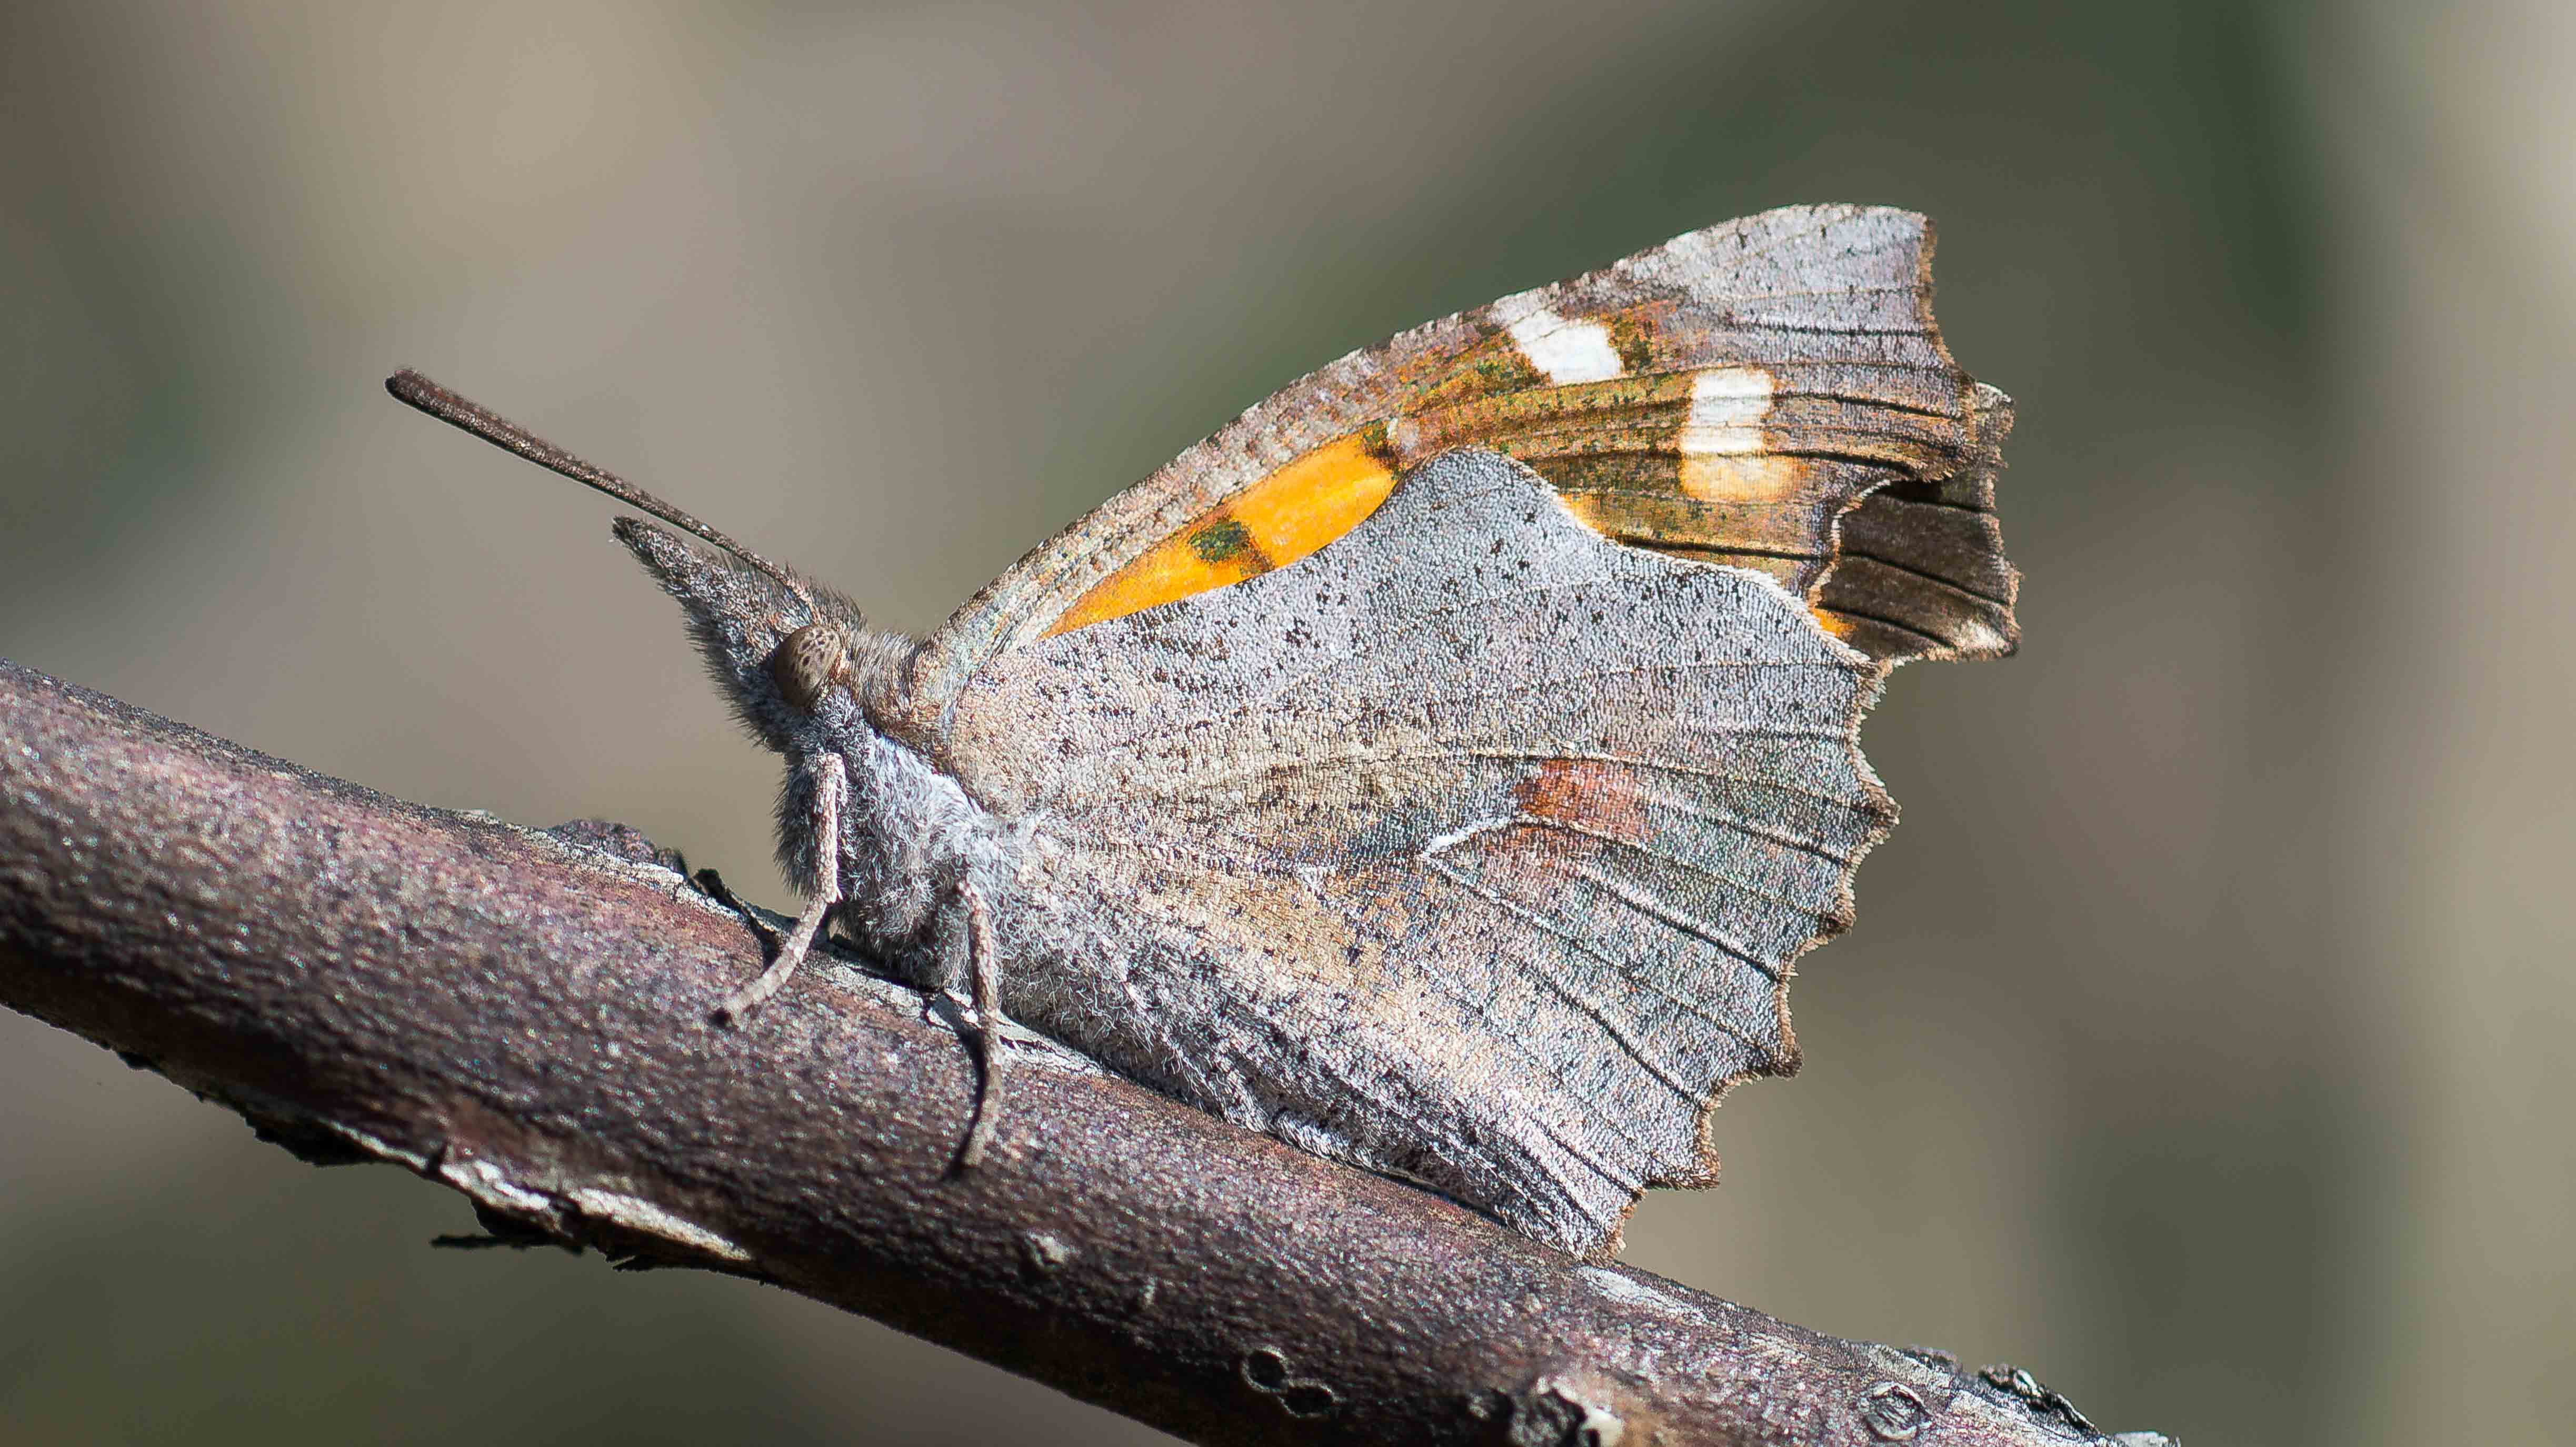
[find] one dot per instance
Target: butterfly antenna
(413, 389)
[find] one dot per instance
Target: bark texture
(524, 1016)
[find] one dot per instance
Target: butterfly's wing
(1474, 846)
(1770, 393)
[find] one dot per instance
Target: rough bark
(525, 1018)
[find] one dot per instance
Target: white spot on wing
(1563, 351)
(1456, 837)
(1728, 405)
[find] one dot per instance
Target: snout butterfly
(1440, 766)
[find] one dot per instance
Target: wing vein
(1676, 861)
(1545, 925)
(1699, 929)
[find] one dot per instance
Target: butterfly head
(787, 654)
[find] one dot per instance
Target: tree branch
(525, 1020)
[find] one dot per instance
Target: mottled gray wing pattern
(1474, 847)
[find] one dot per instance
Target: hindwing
(1474, 846)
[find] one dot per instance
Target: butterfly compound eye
(813, 658)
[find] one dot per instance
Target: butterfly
(1439, 767)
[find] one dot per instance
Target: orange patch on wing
(1304, 505)
(1833, 622)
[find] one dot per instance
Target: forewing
(1474, 847)
(1770, 393)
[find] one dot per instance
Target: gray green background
(2203, 1044)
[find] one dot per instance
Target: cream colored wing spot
(1727, 408)
(1725, 456)
(1564, 351)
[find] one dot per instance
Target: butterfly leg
(985, 978)
(829, 791)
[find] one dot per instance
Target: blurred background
(2203, 1044)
